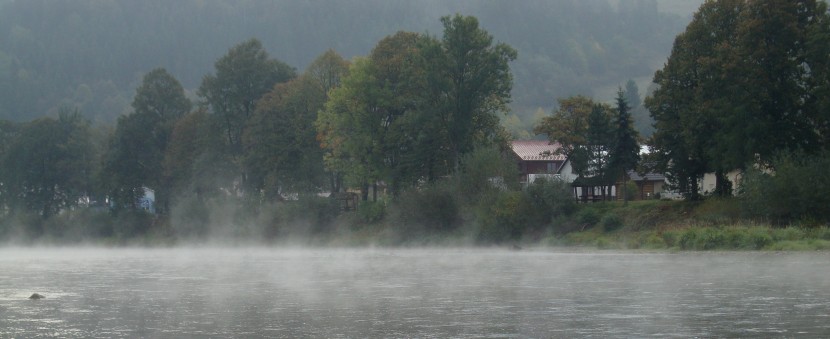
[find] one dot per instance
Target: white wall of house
(707, 184)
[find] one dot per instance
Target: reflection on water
(411, 293)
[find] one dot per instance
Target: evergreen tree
(625, 152)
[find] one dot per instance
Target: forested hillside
(91, 55)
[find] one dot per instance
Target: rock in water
(36, 296)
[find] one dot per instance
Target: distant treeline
(92, 54)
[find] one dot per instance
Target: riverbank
(714, 224)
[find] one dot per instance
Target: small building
(649, 185)
(537, 158)
(147, 202)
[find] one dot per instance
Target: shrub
(795, 191)
(371, 211)
(433, 208)
(588, 216)
(671, 238)
(549, 199)
(308, 215)
(507, 218)
(611, 222)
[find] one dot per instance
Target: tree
(242, 77)
(281, 150)
(136, 152)
(625, 152)
(8, 133)
(349, 126)
(195, 161)
(686, 104)
(49, 165)
(741, 86)
(770, 81)
(568, 124)
(379, 124)
(583, 130)
(594, 158)
(477, 84)
(328, 70)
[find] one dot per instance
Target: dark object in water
(516, 247)
(36, 296)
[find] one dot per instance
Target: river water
(404, 293)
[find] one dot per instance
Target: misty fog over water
(329, 293)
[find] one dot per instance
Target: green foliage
(136, 152)
(132, 223)
(408, 112)
(549, 199)
(631, 191)
(611, 222)
(486, 169)
(625, 151)
(281, 149)
(371, 212)
(505, 219)
(308, 216)
(587, 216)
(794, 192)
(723, 103)
(430, 209)
(242, 76)
(49, 164)
(475, 81)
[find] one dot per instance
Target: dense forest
(91, 55)
(416, 128)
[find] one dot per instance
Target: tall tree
(242, 77)
(686, 105)
(770, 82)
(625, 152)
(478, 86)
(741, 86)
(348, 127)
(594, 158)
(328, 71)
(195, 162)
(281, 150)
(136, 154)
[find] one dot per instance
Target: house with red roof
(537, 158)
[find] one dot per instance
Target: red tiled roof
(537, 150)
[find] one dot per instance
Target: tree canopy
(739, 88)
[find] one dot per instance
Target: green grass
(713, 224)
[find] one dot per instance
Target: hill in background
(92, 54)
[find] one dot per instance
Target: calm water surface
(469, 293)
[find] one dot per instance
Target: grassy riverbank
(715, 224)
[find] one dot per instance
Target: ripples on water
(441, 293)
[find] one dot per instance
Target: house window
(551, 167)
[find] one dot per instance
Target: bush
(611, 222)
(506, 219)
(549, 199)
(433, 208)
(796, 191)
(307, 215)
(371, 212)
(588, 216)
